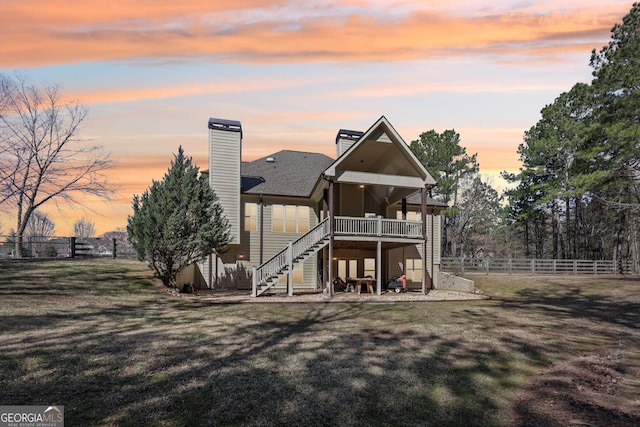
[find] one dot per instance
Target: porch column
(423, 211)
(331, 231)
(261, 215)
(379, 268)
(254, 282)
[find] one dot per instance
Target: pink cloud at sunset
(293, 73)
(53, 32)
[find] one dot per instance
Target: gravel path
(232, 296)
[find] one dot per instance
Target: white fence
(538, 266)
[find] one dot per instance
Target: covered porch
(366, 196)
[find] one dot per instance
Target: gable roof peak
(381, 131)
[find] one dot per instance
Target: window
(342, 269)
(347, 268)
(277, 218)
(413, 270)
(290, 218)
(303, 219)
(250, 216)
(353, 268)
(370, 267)
(411, 215)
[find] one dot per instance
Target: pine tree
(583, 157)
(448, 162)
(177, 221)
(611, 154)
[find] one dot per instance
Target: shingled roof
(285, 173)
(416, 199)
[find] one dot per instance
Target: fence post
(115, 247)
(72, 247)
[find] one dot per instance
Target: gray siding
(224, 175)
(272, 244)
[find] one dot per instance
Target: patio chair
(340, 285)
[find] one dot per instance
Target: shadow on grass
(141, 358)
(586, 331)
(150, 366)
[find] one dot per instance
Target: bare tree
(39, 225)
(42, 155)
(84, 228)
(119, 233)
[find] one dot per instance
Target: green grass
(101, 338)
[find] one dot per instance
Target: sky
(294, 73)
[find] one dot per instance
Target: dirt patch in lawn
(588, 390)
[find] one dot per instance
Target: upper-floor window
(250, 216)
(289, 218)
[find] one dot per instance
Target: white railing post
(290, 264)
(379, 226)
(254, 282)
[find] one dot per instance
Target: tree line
(577, 193)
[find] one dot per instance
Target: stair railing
(290, 255)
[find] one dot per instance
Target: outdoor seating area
(355, 284)
(358, 283)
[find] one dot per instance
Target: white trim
(379, 179)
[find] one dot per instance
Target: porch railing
(378, 226)
(294, 253)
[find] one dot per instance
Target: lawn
(103, 339)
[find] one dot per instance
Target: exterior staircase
(268, 274)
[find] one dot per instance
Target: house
(300, 219)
